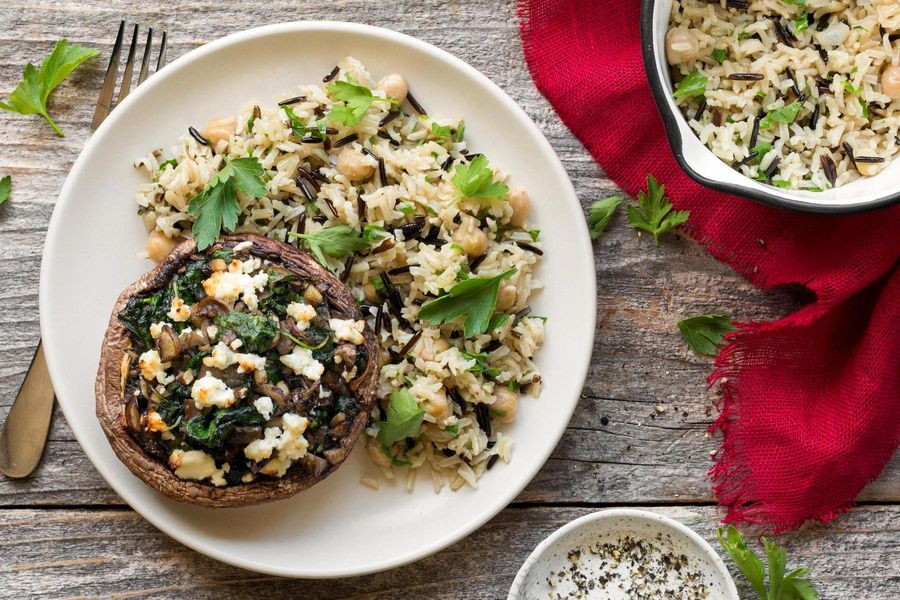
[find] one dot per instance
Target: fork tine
(161, 61)
(145, 62)
(129, 67)
(109, 80)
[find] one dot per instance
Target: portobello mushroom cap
(112, 408)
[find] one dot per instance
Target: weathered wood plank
(89, 553)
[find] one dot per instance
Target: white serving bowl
(552, 555)
(706, 168)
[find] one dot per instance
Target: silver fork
(24, 434)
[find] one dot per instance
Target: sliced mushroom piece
(274, 392)
(335, 455)
(131, 416)
(168, 344)
(205, 309)
(190, 409)
(230, 376)
(283, 345)
(195, 338)
(313, 464)
(125, 368)
(245, 435)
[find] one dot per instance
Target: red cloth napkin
(811, 403)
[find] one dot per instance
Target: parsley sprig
(216, 207)
(337, 242)
(5, 188)
(476, 180)
(704, 333)
(654, 213)
(600, 214)
(473, 298)
(356, 101)
(403, 419)
(30, 96)
(782, 586)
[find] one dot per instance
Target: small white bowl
(552, 555)
(706, 168)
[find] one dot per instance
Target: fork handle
(24, 433)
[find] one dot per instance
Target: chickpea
(506, 297)
(681, 46)
(218, 130)
(504, 407)
(370, 292)
(438, 407)
(352, 163)
(472, 239)
(890, 82)
(868, 169)
(159, 246)
(376, 454)
(394, 86)
(520, 203)
(312, 295)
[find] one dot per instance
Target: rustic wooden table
(63, 532)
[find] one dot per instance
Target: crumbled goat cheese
(152, 367)
(222, 357)
(265, 406)
(156, 329)
(211, 391)
(235, 283)
(180, 312)
(302, 313)
(287, 440)
(197, 465)
(154, 422)
(236, 344)
(245, 245)
(301, 362)
(345, 329)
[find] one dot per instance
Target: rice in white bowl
(422, 244)
(839, 59)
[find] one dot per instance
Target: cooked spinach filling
(240, 369)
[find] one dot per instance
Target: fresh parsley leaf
(865, 107)
(654, 213)
(719, 55)
(851, 88)
(704, 333)
(600, 214)
(780, 183)
(167, 163)
(786, 114)
(791, 586)
(761, 151)
(801, 23)
(403, 420)
(372, 233)
(795, 2)
(441, 131)
(498, 320)
(216, 207)
(481, 365)
(474, 298)
(357, 100)
(406, 208)
(476, 180)
(337, 242)
(5, 188)
(460, 132)
(692, 85)
(298, 127)
(31, 95)
(534, 233)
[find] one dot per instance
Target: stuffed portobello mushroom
(236, 375)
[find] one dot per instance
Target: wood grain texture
(115, 553)
(618, 449)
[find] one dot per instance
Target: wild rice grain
(196, 135)
(829, 168)
(293, 100)
(332, 74)
(415, 103)
(345, 140)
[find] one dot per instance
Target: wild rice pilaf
(801, 94)
(390, 177)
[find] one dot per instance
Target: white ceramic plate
(339, 527)
(610, 526)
